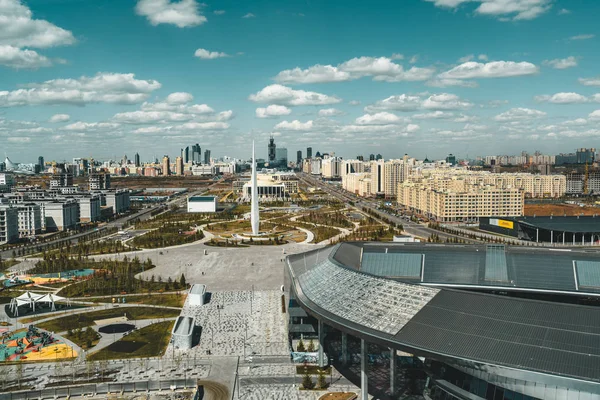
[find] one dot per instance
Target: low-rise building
(89, 208)
(60, 215)
(202, 204)
(99, 181)
(7, 182)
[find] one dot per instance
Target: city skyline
(475, 78)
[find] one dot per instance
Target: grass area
(321, 232)
(167, 300)
(168, 235)
(339, 396)
(43, 313)
(336, 218)
(83, 320)
(84, 338)
(150, 341)
(6, 264)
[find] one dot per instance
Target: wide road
(410, 227)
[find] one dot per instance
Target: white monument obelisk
(254, 218)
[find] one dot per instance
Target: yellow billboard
(505, 224)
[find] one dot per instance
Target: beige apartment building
(533, 186)
(456, 199)
(358, 183)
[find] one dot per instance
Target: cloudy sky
(104, 78)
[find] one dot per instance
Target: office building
(99, 181)
(562, 159)
(117, 199)
(61, 180)
(206, 156)
(89, 207)
(9, 224)
(586, 156)
(179, 166)
(298, 158)
(60, 215)
(281, 157)
(7, 182)
(196, 154)
(451, 159)
(272, 158)
(30, 219)
(309, 152)
(136, 159)
(41, 163)
(166, 166)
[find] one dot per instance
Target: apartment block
(9, 224)
(29, 219)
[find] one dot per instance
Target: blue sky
(104, 78)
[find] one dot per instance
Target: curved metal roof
(547, 338)
(493, 267)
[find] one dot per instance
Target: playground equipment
(32, 344)
(31, 299)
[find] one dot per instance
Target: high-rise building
(207, 156)
(124, 161)
(360, 158)
(179, 166)
(377, 177)
(166, 166)
(137, 160)
(186, 154)
(586, 156)
(298, 157)
(41, 163)
(309, 152)
(379, 157)
(272, 151)
(196, 154)
(281, 157)
(371, 157)
(451, 159)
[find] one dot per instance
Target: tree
(321, 380)
(182, 281)
(311, 346)
(307, 382)
(300, 347)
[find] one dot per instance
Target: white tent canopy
(31, 299)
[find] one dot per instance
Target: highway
(410, 227)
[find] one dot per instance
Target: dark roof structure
(568, 271)
(583, 224)
(547, 342)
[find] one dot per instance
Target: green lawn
(168, 300)
(150, 341)
(87, 319)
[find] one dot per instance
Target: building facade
(9, 224)
(30, 219)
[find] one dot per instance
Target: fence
(101, 388)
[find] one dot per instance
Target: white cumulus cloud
(561, 63)
(249, 15)
(381, 118)
(294, 125)
(209, 55)
(59, 118)
(182, 13)
(179, 98)
(17, 58)
(401, 102)
(590, 81)
(379, 68)
(595, 115)
(330, 112)
(283, 95)
(562, 98)
(493, 69)
(503, 9)
(445, 101)
(519, 114)
(272, 110)
(101, 88)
